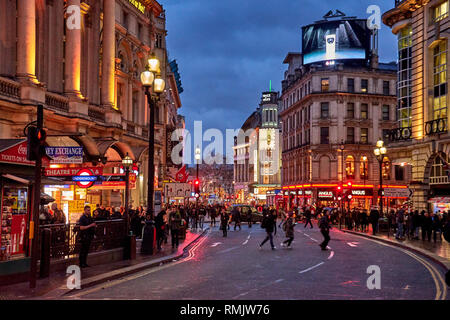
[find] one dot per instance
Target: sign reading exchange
(63, 155)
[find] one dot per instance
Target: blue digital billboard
(336, 40)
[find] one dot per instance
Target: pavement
(234, 268)
(56, 285)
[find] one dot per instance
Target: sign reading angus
(336, 40)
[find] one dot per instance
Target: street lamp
(197, 159)
(364, 169)
(342, 175)
(380, 152)
(151, 78)
(127, 162)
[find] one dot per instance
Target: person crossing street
(270, 225)
(325, 227)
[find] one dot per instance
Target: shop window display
(13, 222)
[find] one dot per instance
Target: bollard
(129, 250)
(45, 253)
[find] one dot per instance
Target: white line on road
(309, 269)
(245, 242)
(215, 244)
(353, 244)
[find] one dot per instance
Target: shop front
(327, 198)
(362, 198)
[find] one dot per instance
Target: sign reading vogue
(63, 155)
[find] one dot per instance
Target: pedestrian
(87, 232)
(437, 226)
(160, 229)
(201, 216)
(58, 215)
(325, 227)
(308, 218)
(175, 225)
(236, 215)
(400, 218)
(212, 214)
(148, 235)
(427, 226)
(288, 227)
(374, 218)
(249, 217)
(224, 221)
(270, 225)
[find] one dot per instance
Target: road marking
(245, 242)
(227, 250)
(353, 244)
(215, 244)
(141, 274)
(407, 287)
(313, 267)
(435, 274)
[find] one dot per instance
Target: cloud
(227, 51)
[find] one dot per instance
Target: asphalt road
(234, 268)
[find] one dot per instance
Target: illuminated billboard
(336, 40)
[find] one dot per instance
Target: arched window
(438, 173)
(364, 167)
(324, 169)
(350, 167)
(386, 168)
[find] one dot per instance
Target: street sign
(397, 192)
(64, 155)
(173, 189)
(67, 172)
(84, 173)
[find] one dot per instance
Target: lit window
(440, 12)
(386, 168)
(350, 167)
(364, 85)
(364, 135)
(364, 167)
(439, 107)
(325, 84)
(364, 111)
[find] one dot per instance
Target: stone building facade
(422, 139)
(332, 117)
(87, 76)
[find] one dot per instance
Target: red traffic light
(339, 188)
(197, 182)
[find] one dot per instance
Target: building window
(350, 135)
(440, 12)
(385, 112)
(324, 138)
(386, 168)
(364, 135)
(325, 84)
(386, 90)
(119, 96)
(364, 111)
(125, 20)
(385, 134)
(364, 85)
(324, 110)
(135, 99)
(404, 87)
(364, 167)
(159, 41)
(350, 167)
(139, 32)
(351, 85)
(439, 107)
(350, 110)
(399, 173)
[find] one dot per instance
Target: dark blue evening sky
(227, 51)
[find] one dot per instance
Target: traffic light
(35, 143)
(349, 184)
(197, 186)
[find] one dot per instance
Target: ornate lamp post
(151, 78)
(364, 169)
(380, 152)
(342, 147)
(127, 162)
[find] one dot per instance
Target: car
(245, 209)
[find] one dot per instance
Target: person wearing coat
(374, 217)
(149, 236)
(224, 221)
(270, 224)
(175, 226)
(288, 227)
(160, 228)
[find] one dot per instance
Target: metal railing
(436, 126)
(65, 238)
(400, 134)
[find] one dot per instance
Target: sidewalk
(55, 285)
(438, 251)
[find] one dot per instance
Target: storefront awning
(27, 179)
(439, 200)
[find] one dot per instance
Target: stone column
(72, 69)
(108, 64)
(26, 39)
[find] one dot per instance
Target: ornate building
(85, 69)
(333, 112)
(422, 139)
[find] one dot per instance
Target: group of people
(51, 215)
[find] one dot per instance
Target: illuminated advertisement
(335, 40)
